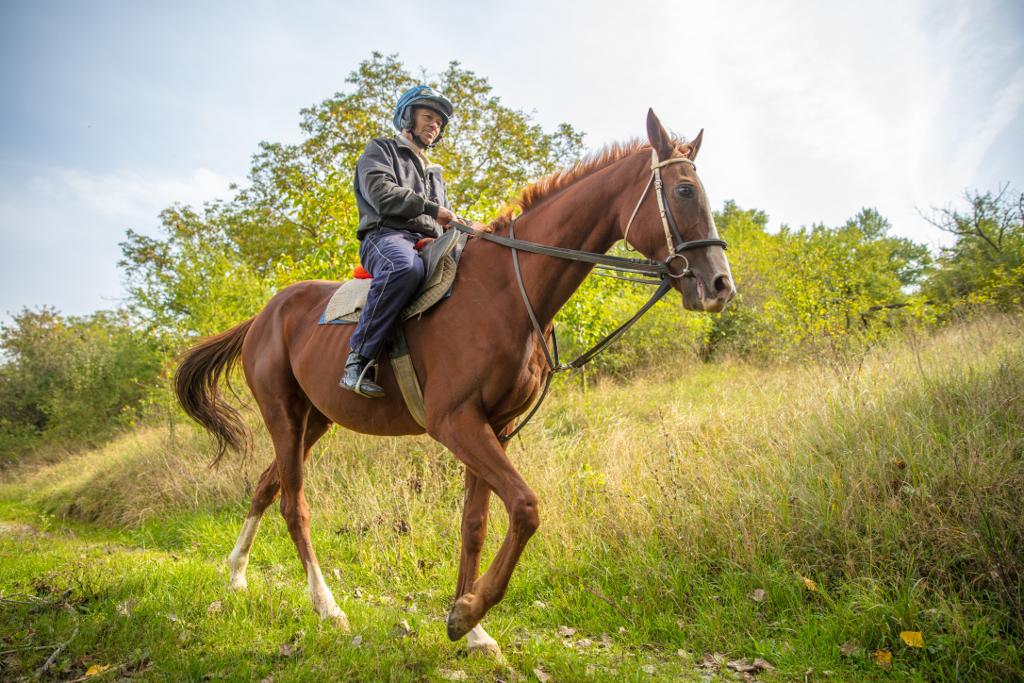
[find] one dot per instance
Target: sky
(112, 111)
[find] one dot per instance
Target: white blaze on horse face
(716, 255)
(238, 560)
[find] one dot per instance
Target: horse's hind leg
(267, 490)
(285, 410)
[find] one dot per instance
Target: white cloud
(132, 195)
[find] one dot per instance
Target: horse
(479, 356)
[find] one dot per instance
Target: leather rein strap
(647, 267)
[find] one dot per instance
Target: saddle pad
(350, 298)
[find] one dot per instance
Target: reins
(649, 269)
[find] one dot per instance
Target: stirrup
(375, 390)
(363, 385)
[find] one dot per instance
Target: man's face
(426, 125)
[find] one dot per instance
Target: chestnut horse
(474, 393)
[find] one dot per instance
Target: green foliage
(71, 379)
(799, 289)
(985, 266)
(296, 219)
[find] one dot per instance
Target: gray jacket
(397, 189)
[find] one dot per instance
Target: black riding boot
(357, 377)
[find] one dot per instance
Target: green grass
(891, 480)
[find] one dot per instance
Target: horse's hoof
(486, 651)
(459, 622)
(337, 616)
(341, 622)
(481, 644)
(239, 584)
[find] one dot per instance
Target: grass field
(691, 517)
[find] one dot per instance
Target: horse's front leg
(466, 433)
(474, 530)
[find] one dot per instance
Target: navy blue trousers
(390, 257)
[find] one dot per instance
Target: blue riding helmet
(422, 96)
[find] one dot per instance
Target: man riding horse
(402, 199)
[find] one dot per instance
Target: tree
(296, 219)
(76, 378)
(985, 265)
(813, 285)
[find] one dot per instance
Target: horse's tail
(195, 384)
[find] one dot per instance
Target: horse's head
(700, 271)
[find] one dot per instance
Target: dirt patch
(19, 530)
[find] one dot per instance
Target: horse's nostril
(722, 284)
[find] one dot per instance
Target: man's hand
(444, 216)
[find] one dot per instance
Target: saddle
(441, 259)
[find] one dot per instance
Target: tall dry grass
(907, 457)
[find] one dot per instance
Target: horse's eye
(685, 191)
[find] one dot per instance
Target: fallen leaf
(539, 605)
(712, 662)
(96, 670)
(453, 674)
(912, 638)
(286, 650)
(215, 608)
(757, 595)
(810, 585)
(584, 642)
(745, 666)
(648, 669)
(336, 573)
(740, 665)
(566, 631)
(402, 629)
(357, 641)
(125, 608)
(542, 675)
(883, 658)
(849, 648)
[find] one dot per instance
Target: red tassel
(361, 273)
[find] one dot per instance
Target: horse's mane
(553, 183)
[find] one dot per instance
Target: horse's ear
(695, 146)
(658, 136)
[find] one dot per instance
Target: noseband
(673, 238)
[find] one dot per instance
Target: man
(401, 198)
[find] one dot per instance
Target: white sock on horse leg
(238, 560)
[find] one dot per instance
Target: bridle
(673, 238)
(653, 272)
